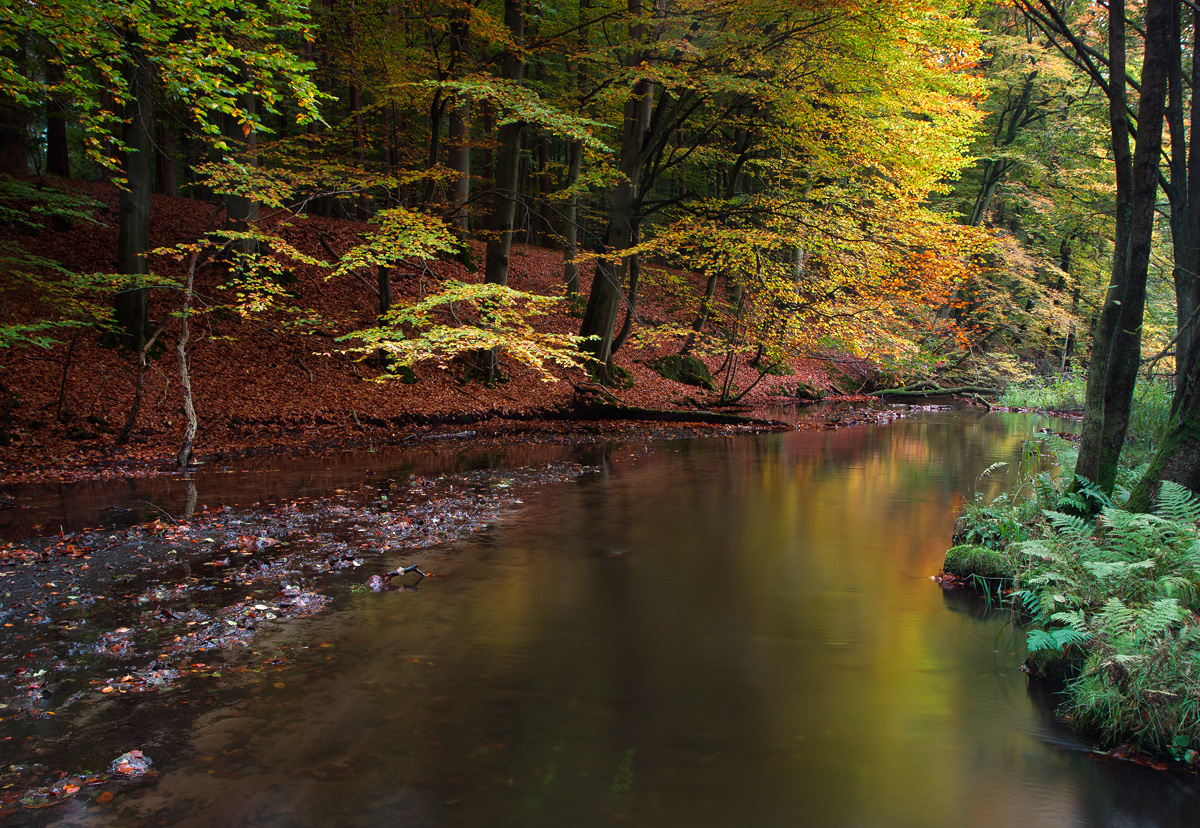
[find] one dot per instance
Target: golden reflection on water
(723, 633)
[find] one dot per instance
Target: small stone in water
(133, 763)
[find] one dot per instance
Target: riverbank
(1109, 601)
(261, 382)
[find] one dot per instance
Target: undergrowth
(1111, 603)
(1063, 392)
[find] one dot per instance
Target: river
(720, 632)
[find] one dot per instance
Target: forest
(291, 228)
(946, 191)
(922, 188)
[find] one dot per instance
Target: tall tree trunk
(545, 226)
(133, 210)
(191, 423)
(58, 155)
(14, 138)
(383, 277)
(1064, 264)
(504, 202)
(604, 300)
(571, 229)
(458, 156)
(168, 176)
(241, 211)
(571, 221)
(360, 148)
(1127, 341)
(1184, 193)
(14, 141)
(458, 153)
(1091, 439)
(433, 149)
(489, 156)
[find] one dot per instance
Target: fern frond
(1160, 617)
(1115, 617)
(1074, 619)
(1177, 503)
(1056, 640)
(1072, 526)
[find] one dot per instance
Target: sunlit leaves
(399, 234)
(464, 318)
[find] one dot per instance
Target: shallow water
(728, 632)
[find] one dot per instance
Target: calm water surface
(729, 632)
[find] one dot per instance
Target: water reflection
(727, 632)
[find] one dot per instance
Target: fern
(1054, 640)
(1115, 618)
(1086, 498)
(1116, 596)
(1160, 618)
(1070, 526)
(1178, 504)
(1075, 619)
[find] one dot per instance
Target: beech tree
(110, 60)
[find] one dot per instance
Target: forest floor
(263, 384)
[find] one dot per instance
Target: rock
(131, 764)
(689, 370)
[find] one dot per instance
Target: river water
(722, 632)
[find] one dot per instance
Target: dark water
(730, 632)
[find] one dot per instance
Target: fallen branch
(608, 411)
(929, 389)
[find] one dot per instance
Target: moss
(405, 374)
(807, 392)
(968, 561)
(688, 370)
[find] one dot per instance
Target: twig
(306, 369)
(165, 513)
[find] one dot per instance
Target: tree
(109, 60)
(1116, 342)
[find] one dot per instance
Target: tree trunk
(504, 201)
(458, 156)
(1126, 353)
(242, 211)
(571, 228)
(571, 221)
(58, 156)
(600, 318)
(489, 159)
(545, 226)
(1090, 447)
(133, 231)
(383, 276)
(168, 176)
(14, 138)
(1178, 456)
(1184, 193)
(185, 376)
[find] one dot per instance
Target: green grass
(1058, 393)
